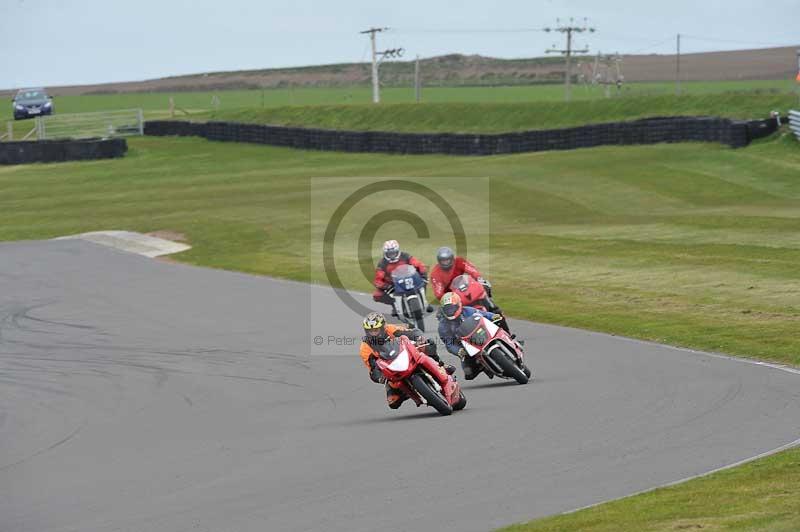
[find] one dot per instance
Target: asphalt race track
(138, 395)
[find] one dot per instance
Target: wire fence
(106, 124)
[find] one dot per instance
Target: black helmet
(445, 257)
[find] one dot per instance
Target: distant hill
(457, 69)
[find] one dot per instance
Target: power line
(648, 47)
(623, 38)
(464, 30)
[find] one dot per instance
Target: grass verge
(761, 496)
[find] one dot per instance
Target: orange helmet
(451, 306)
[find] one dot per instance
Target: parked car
(32, 102)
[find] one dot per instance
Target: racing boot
(470, 367)
(394, 396)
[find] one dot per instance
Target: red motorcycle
(493, 348)
(472, 293)
(419, 376)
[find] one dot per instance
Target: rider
(377, 333)
(392, 258)
(451, 315)
(448, 267)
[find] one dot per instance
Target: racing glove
(486, 285)
(375, 372)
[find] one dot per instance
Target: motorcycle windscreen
(470, 331)
(469, 325)
(389, 350)
(406, 278)
(467, 288)
(461, 283)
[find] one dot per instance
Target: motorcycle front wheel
(419, 321)
(431, 396)
(508, 363)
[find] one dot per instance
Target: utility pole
(417, 82)
(394, 52)
(568, 29)
(678, 66)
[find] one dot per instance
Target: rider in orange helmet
(451, 314)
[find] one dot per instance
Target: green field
(502, 117)
(156, 104)
(686, 244)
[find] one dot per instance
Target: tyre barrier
(48, 151)
(734, 133)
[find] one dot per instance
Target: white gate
(794, 123)
(98, 124)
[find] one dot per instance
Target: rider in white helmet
(392, 258)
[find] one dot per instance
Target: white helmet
(391, 250)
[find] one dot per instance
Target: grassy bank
(157, 103)
(502, 117)
(688, 244)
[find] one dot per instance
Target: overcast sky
(59, 42)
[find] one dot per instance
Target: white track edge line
(765, 454)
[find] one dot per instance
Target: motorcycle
(408, 290)
(473, 293)
(493, 348)
(420, 377)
